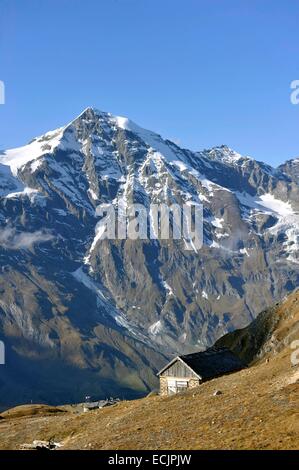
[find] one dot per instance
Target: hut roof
(210, 363)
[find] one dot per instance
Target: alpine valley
(80, 315)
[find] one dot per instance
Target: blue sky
(203, 73)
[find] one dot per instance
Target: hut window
(181, 385)
(176, 386)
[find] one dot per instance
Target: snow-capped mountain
(79, 314)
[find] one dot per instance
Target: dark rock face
(80, 315)
(273, 330)
(291, 168)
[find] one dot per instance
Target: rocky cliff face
(81, 315)
(291, 169)
(274, 330)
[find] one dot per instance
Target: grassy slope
(258, 408)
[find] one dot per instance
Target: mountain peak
(90, 113)
(223, 153)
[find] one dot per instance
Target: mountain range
(80, 315)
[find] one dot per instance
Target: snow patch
(18, 157)
(217, 222)
(204, 295)
(168, 288)
(275, 205)
(155, 328)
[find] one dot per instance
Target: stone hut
(190, 370)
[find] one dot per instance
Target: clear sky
(201, 72)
